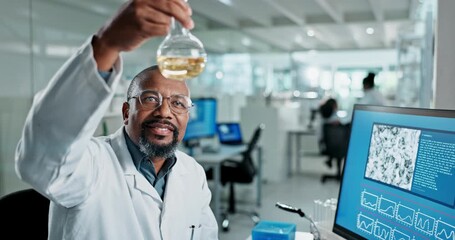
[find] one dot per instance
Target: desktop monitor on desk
(202, 122)
(229, 133)
(399, 176)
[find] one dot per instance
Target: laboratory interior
(312, 119)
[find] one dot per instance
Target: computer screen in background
(202, 121)
(399, 175)
(229, 133)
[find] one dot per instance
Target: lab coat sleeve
(57, 154)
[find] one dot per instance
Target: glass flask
(181, 55)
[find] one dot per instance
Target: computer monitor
(202, 122)
(399, 176)
(229, 133)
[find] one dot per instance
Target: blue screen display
(399, 175)
(202, 122)
(229, 133)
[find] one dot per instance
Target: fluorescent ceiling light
(226, 2)
(219, 75)
(369, 30)
(310, 33)
(310, 95)
(60, 50)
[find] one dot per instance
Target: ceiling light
(310, 95)
(59, 50)
(369, 30)
(226, 2)
(219, 75)
(310, 33)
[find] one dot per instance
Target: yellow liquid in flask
(181, 68)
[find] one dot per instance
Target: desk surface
(300, 130)
(225, 151)
(298, 236)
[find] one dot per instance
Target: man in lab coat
(133, 184)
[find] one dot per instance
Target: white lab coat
(373, 97)
(95, 188)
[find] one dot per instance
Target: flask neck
(177, 28)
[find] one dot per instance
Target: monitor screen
(229, 133)
(399, 176)
(202, 122)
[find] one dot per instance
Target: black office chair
(25, 214)
(243, 172)
(335, 137)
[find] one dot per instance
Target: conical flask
(181, 55)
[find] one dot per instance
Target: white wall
(273, 139)
(444, 96)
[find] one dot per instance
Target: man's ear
(125, 112)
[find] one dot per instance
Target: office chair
(25, 214)
(243, 172)
(336, 138)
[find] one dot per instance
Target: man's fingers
(152, 15)
(150, 29)
(175, 8)
(138, 20)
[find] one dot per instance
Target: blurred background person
(328, 111)
(371, 95)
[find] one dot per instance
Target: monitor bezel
(448, 113)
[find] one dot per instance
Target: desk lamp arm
(314, 230)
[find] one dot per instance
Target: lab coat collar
(120, 148)
(133, 177)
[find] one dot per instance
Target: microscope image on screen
(392, 155)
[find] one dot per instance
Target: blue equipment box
(268, 230)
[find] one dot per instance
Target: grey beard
(152, 150)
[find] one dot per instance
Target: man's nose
(164, 110)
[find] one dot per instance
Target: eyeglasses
(152, 100)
